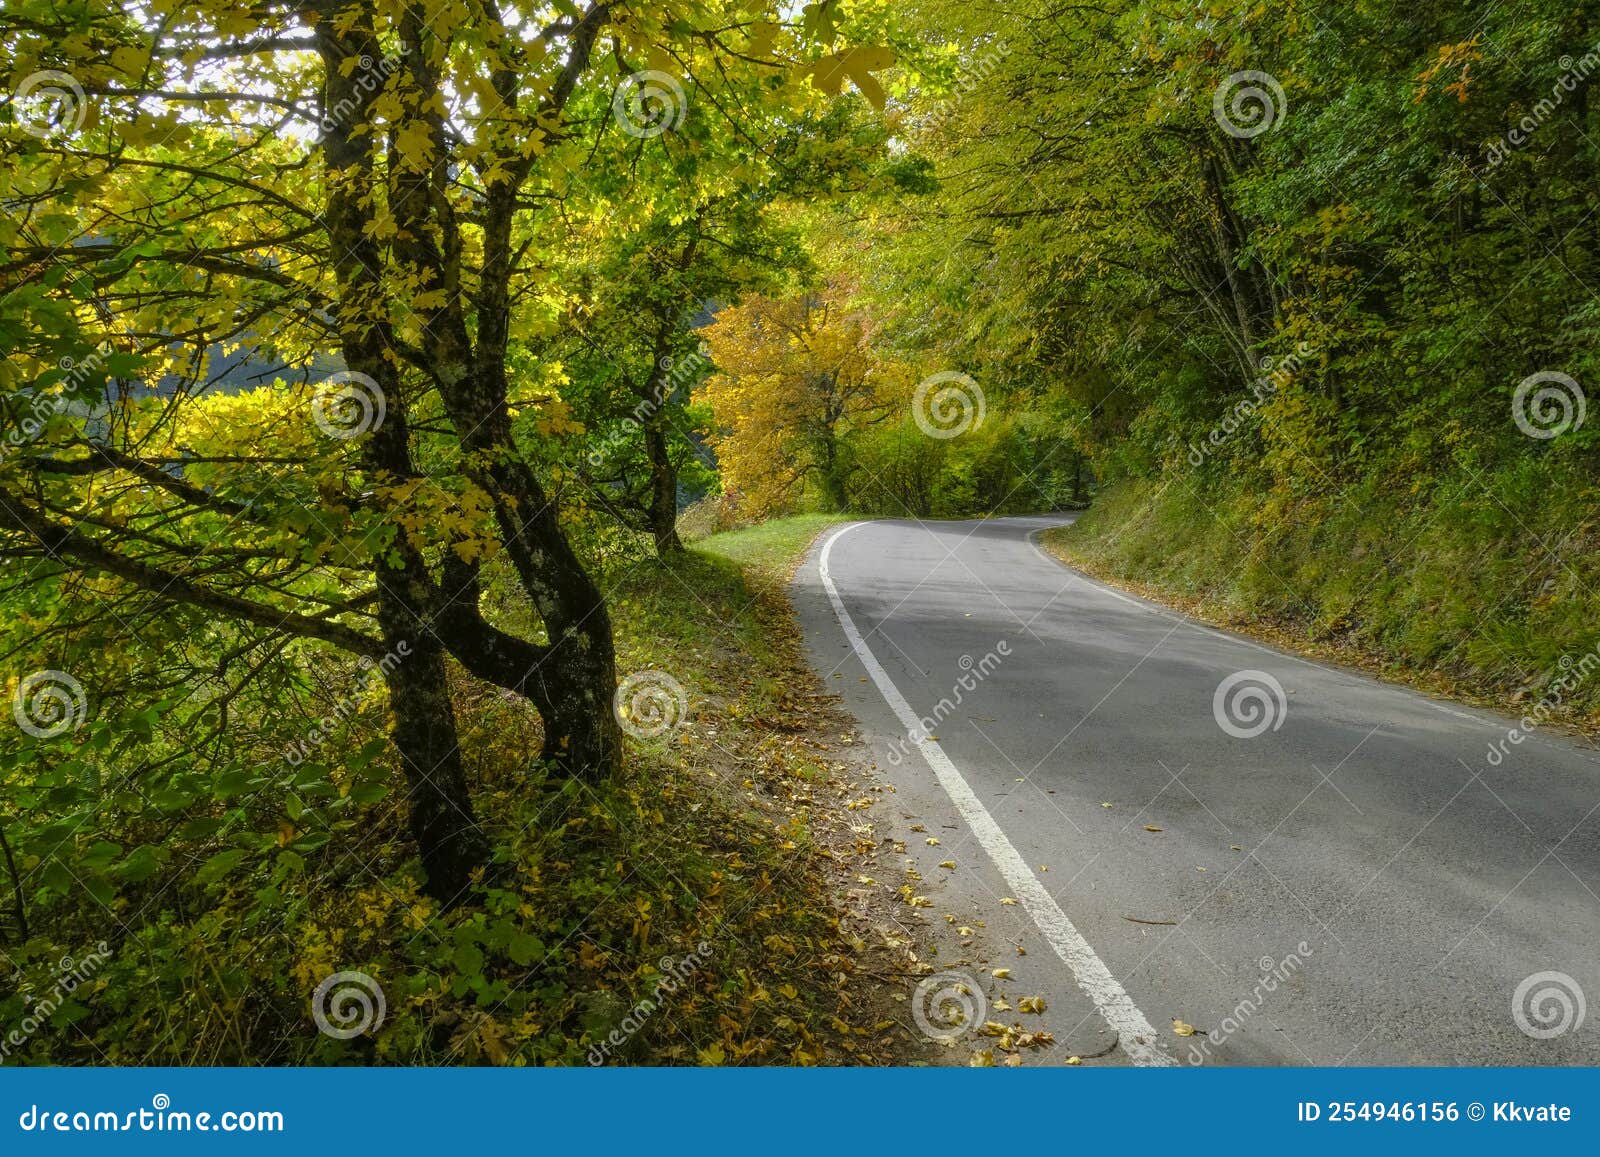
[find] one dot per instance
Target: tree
(356, 184)
(793, 376)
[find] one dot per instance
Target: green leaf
(220, 865)
(468, 959)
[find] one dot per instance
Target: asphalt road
(1357, 883)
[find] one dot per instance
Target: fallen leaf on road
(1012, 1061)
(1151, 828)
(1137, 920)
(1033, 1004)
(1074, 1060)
(1002, 974)
(1182, 1028)
(933, 841)
(1104, 804)
(947, 864)
(1008, 901)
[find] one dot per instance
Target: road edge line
(1353, 674)
(1134, 1032)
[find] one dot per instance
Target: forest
(412, 412)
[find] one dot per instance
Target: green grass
(771, 550)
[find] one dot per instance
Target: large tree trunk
(424, 730)
(574, 683)
(423, 725)
(663, 488)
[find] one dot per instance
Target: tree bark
(663, 488)
(423, 729)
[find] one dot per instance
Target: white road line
(1139, 1040)
(1217, 632)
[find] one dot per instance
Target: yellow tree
(794, 377)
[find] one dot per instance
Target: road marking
(1138, 1038)
(1350, 677)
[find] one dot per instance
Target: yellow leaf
(1182, 1028)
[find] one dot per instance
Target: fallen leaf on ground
(1151, 828)
(1008, 901)
(1002, 973)
(1182, 1028)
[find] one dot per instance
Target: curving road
(1341, 875)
